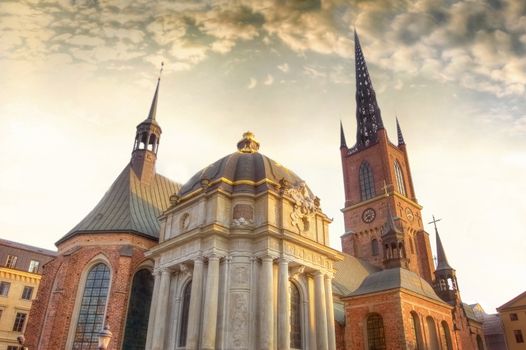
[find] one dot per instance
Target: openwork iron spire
(368, 115)
(399, 132)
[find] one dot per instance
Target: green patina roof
(129, 206)
(396, 278)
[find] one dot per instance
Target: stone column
(330, 313)
(266, 305)
(194, 312)
(153, 308)
(321, 311)
(210, 305)
(162, 310)
(283, 306)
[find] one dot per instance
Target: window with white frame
(11, 261)
(20, 321)
(4, 288)
(33, 266)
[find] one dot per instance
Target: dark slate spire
(368, 115)
(343, 143)
(390, 225)
(399, 132)
(153, 108)
(442, 263)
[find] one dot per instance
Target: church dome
(246, 170)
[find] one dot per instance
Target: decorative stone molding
(305, 205)
(185, 270)
(243, 214)
(296, 271)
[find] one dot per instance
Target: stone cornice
(17, 275)
(374, 199)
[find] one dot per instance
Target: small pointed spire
(368, 114)
(343, 143)
(153, 108)
(442, 263)
(390, 224)
(399, 132)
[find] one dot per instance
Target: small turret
(399, 133)
(343, 143)
(393, 241)
(148, 134)
(445, 276)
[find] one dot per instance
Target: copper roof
(350, 273)
(129, 206)
(396, 278)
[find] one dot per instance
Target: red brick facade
(54, 308)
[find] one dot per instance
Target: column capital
(198, 260)
(213, 256)
(284, 260)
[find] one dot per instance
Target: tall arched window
(432, 334)
(92, 308)
(183, 325)
(366, 181)
(295, 317)
(399, 178)
(138, 311)
(446, 336)
(374, 247)
(375, 332)
(417, 331)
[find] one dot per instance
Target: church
(238, 257)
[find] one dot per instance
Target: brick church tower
(379, 189)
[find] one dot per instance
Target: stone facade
(241, 251)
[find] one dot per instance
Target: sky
(77, 76)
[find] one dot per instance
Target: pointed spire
(399, 132)
(153, 108)
(343, 143)
(442, 263)
(390, 224)
(368, 115)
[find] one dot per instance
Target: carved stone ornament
(305, 205)
(174, 199)
(248, 143)
(185, 270)
(296, 271)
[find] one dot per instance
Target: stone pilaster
(283, 306)
(210, 305)
(266, 307)
(321, 311)
(153, 308)
(331, 335)
(162, 310)
(192, 338)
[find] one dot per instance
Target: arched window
(295, 317)
(417, 331)
(399, 178)
(187, 292)
(432, 334)
(366, 181)
(374, 247)
(446, 336)
(151, 145)
(375, 332)
(138, 311)
(92, 308)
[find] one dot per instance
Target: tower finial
(153, 108)
(343, 143)
(368, 114)
(399, 132)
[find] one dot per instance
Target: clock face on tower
(368, 215)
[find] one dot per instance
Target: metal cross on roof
(434, 222)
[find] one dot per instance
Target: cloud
(284, 67)
(269, 80)
(252, 83)
(475, 44)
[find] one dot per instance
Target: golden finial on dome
(248, 143)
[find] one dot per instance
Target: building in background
(21, 268)
(513, 316)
